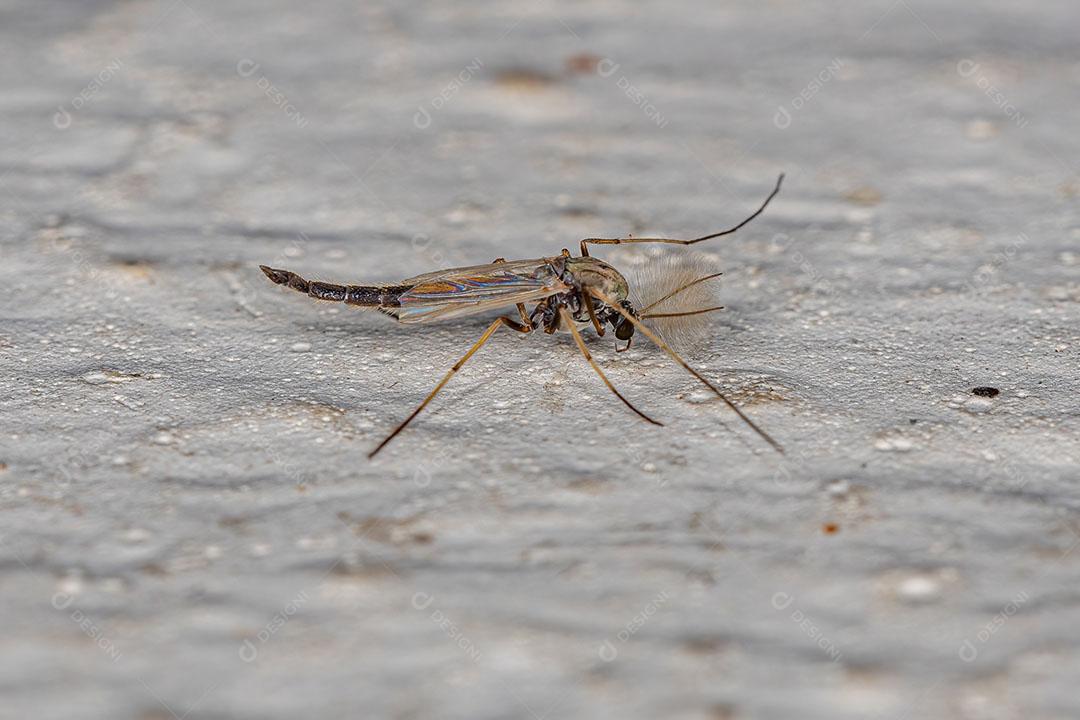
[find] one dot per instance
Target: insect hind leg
(495, 325)
(522, 312)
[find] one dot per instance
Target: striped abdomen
(381, 296)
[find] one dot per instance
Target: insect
(566, 291)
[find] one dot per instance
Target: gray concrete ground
(189, 524)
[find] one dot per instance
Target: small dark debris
(985, 391)
(830, 528)
(133, 261)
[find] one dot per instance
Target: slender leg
(522, 312)
(554, 325)
(678, 290)
(603, 297)
(584, 351)
(592, 314)
(673, 241)
(446, 378)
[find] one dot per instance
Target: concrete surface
(190, 527)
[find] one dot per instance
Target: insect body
(566, 290)
(553, 283)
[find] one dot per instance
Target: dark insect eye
(625, 330)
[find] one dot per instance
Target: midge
(567, 290)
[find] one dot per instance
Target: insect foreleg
(673, 241)
(585, 351)
(587, 301)
(677, 358)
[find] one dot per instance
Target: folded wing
(466, 291)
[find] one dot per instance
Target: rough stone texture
(190, 525)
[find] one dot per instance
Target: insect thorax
(583, 273)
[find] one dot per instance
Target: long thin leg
(681, 314)
(551, 327)
(678, 290)
(584, 351)
(446, 378)
(522, 312)
(592, 314)
(673, 241)
(675, 356)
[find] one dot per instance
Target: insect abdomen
(382, 296)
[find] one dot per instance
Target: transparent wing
(466, 291)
